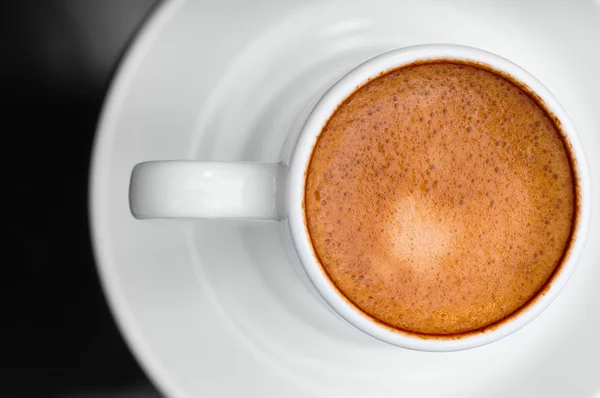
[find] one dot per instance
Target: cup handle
(191, 189)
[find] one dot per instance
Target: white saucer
(214, 308)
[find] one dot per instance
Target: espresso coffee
(440, 198)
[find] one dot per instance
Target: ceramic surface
(276, 191)
(214, 308)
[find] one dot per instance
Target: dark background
(57, 336)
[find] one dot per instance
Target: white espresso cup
(262, 191)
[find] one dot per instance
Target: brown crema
(440, 198)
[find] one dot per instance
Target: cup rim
(321, 113)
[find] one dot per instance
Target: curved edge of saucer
(126, 68)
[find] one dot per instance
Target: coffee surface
(440, 198)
